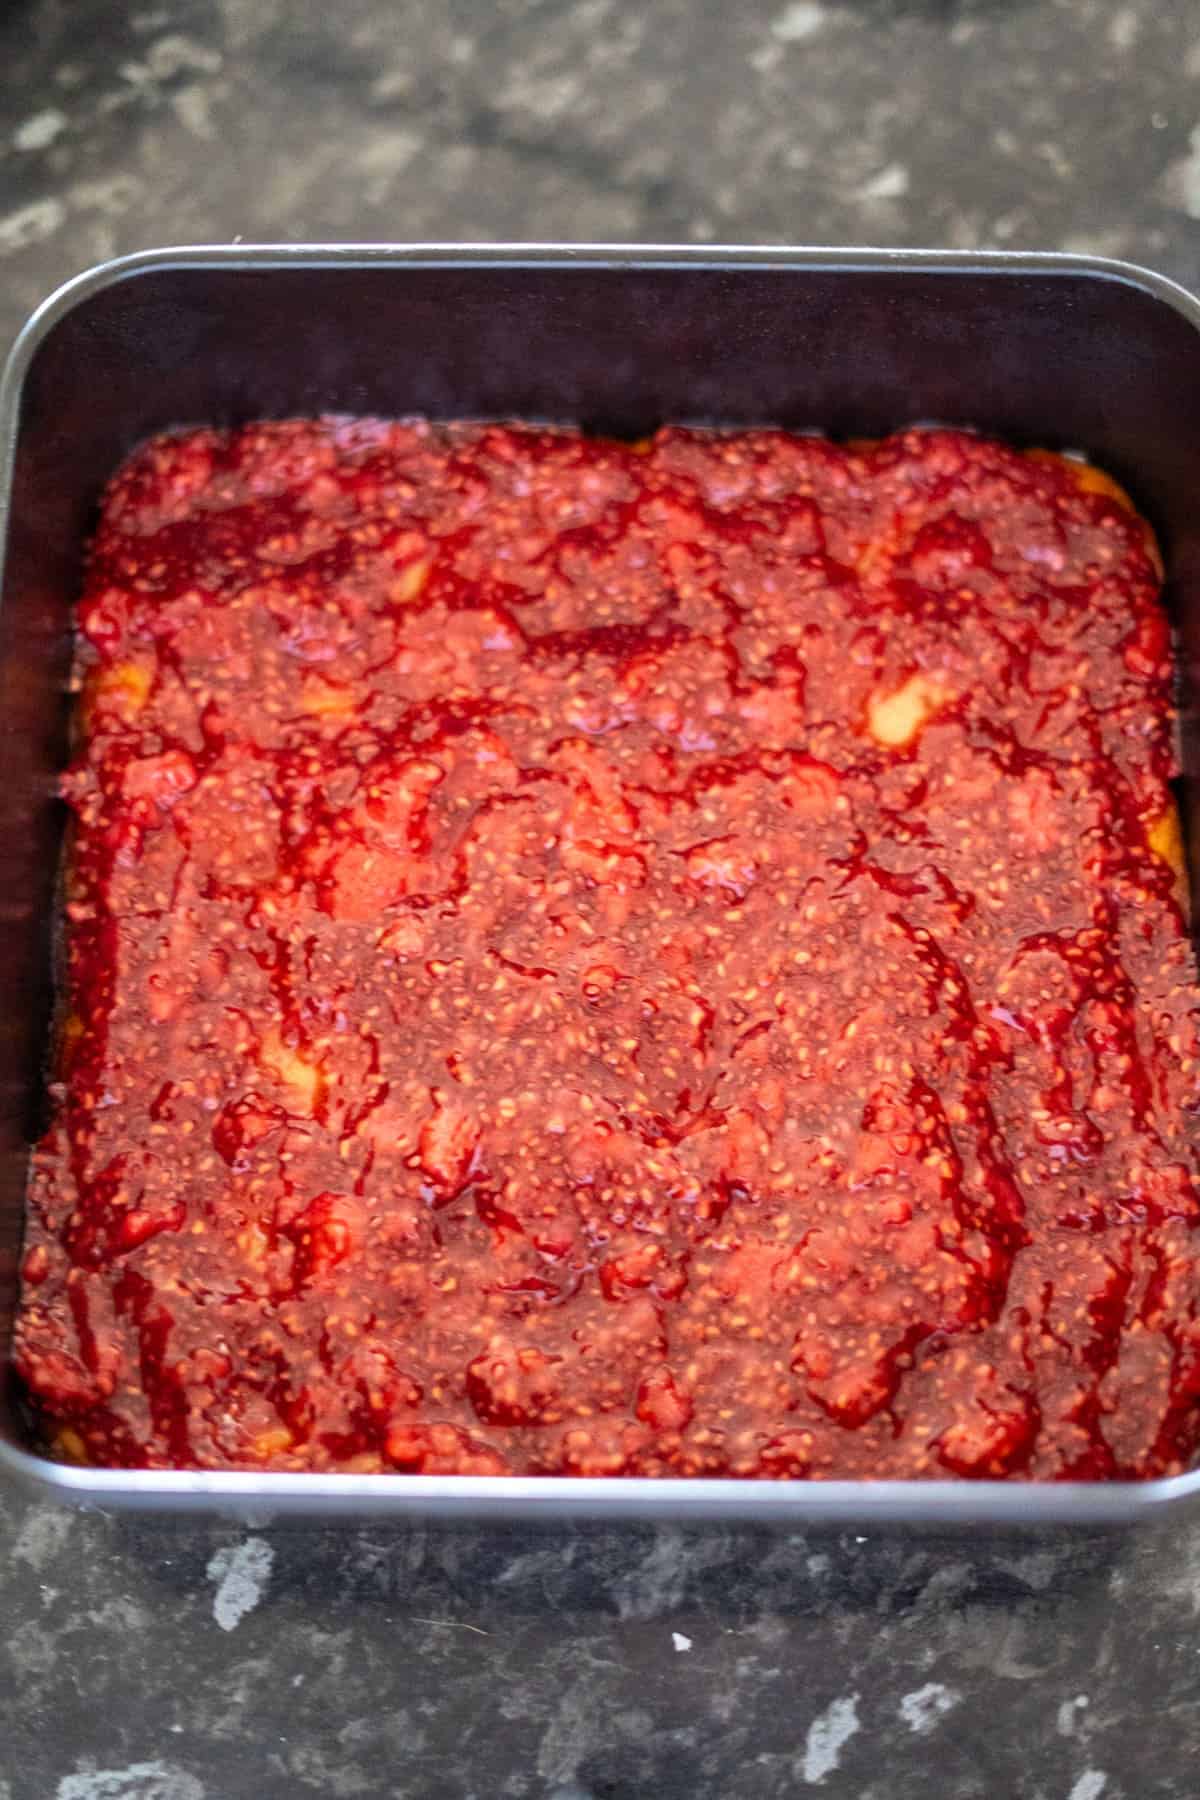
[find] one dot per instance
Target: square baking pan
(1058, 351)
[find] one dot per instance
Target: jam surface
(605, 959)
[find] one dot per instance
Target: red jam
(620, 959)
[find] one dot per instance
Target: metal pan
(1060, 351)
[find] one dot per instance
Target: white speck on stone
(767, 57)
(393, 84)
(175, 53)
(389, 152)
(1182, 179)
(1066, 1714)
(29, 225)
(889, 184)
(40, 129)
(544, 94)
(922, 1709)
(1090, 1786)
(192, 107)
(828, 1734)
(680, 1642)
(241, 1572)
(138, 1781)
(44, 1531)
(112, 195)
(1123, 28)
(384, 159)
(803, 19)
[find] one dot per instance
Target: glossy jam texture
(611, 959)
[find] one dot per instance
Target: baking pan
(1061, 351)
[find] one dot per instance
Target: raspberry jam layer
(620, 959)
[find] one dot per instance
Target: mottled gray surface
(1034, 123)
(151, 1662)
(193, 1663)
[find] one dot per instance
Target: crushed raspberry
(620, 960)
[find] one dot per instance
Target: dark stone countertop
(177, 1661)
